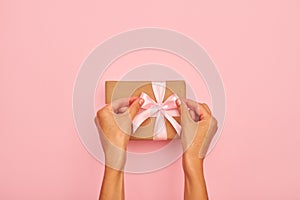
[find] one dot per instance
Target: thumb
(178, 103)
(135, 107)
(181, 106)
(184, 110)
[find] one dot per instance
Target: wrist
(112, 171)
(115, 159)
(192, 164)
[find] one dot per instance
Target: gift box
(158, 119)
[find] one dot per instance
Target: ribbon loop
(158, 109)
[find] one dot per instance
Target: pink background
(255, 45)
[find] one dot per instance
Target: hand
(114, 122)
(198, 128)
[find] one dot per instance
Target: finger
(104, 111)
(184, 110)
(192, 105)
(206, 107)
(132, 99)
(198, 108)
(193, 115)
(178, 103)
(122, 109)
(117, 104)
(180, 108)
(135, 107)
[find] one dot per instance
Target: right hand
(198, 128)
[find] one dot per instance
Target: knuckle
(101, 112)
(199, 107)
(135, 108)
(214, 122)
(204, 107)
(207, 107)
(204, 104)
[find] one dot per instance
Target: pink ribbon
(160, 110)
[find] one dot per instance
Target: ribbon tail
(140, 118)
(174, 123)
(160, 130)
(173, 112)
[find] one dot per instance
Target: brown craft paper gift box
(121, 89)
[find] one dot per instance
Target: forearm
(112, 185)
(194, 184)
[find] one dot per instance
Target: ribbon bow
(158, 109)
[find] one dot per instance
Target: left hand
(114, 122)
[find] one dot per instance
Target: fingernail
(178, 102)
(141, 101)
